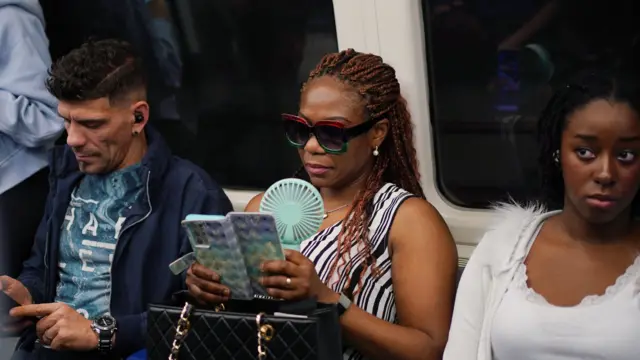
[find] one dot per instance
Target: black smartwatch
(105, 327)
(343, 304)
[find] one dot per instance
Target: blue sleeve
(28, 112)
(32, 276)
(130, 336)
(201, 196)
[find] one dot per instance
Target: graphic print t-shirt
(89, 235)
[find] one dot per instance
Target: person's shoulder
(511, 217)
(418, 217)
(511, 225)
(191, 175)
(20, 17)
(254, 204)
(191, 184)
(419, 229)
(407, 204)
(415, 208)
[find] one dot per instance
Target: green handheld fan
(297, 208)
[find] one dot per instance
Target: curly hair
(378, 86)
(587, 86)
(106, 68)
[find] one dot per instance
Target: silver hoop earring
(376, 152)
(556, 156)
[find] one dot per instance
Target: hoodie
(29, 124)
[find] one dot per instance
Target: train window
(493, 64)
(221, 72)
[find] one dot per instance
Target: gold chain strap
(181, 331)
(265, 332)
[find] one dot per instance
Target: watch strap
(105, 337)
(343, 304)
(105, 340)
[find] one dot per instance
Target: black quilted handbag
(245, 330)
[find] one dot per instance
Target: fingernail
(226, 292)
(215, 277)
(261, 281)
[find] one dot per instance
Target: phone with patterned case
(258, 238)
(216, 246)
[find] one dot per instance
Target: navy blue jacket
(151, 237)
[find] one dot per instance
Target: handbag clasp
(266, 333)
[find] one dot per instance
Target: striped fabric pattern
(376, 295)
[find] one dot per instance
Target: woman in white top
(563, 285)
(383, 252)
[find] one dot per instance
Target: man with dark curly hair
(112, 221)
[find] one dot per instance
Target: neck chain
(326, 213)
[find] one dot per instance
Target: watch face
(105, 322)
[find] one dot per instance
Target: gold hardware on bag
(182, 330)
(266, 333)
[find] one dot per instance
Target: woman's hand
(204, 285)
(295, 279)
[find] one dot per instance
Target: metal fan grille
(297, 207)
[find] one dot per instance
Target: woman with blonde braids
(383, 253)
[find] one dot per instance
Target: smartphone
(216, 247)
(6, 304)
(259, 241)
(200, 240)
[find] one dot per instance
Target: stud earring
(376, 152)
(556, 156)
(135, 133)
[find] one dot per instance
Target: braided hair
(378, 86)
(587, 86)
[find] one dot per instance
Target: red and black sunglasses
(332, 136)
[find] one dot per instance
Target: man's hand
(62, 328)
(15, 290)
(18, 293)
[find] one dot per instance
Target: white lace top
(527, 327)
(496, 317)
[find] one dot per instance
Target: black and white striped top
(376, 294)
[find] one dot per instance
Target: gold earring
(135, 133)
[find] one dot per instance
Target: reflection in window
(220, 72)
(493, 64)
